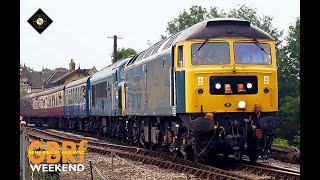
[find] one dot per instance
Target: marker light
(218, 86)
(249, 85)
(200, 91)
(227, 88)
(241, 104)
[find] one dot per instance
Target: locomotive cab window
(180, 56)
(252, 53)
(210, 53)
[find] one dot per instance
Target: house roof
(55, 75)
(66, 75)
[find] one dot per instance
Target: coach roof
(77, 82)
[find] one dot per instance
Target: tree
(264, 22)
(29, 69)
(46, 73)
(187, 19)
(125, 52)
(197, 14)
(289, 64)
(289, 86)
(289, 116)
(23, 92)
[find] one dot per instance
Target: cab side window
(180, 56)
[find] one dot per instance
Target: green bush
(289, 116)
(284, 143)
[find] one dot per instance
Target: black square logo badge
(39, 21)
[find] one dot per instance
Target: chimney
(72, 65)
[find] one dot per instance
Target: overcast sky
(80, 28)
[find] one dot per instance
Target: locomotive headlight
(242, 104)
(218, 86)
(249, 85)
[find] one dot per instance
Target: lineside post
(22, 149)
(112, 155)
(91, 170)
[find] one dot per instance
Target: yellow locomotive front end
(224, 75)
(226, 88)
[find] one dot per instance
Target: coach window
(78, 97)
(93, 95)
(57, 99)
(60, 98)
(67, 97)
(108, 89)
(74, 95)
(78, 94)
(70, 96)
(180, 56)
(73, 92)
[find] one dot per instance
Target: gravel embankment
(122, 170)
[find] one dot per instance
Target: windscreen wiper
(201, 46)
(259, 45)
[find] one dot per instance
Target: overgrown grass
(284, 143)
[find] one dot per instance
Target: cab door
(179, 78)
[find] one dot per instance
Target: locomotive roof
(107, 71)
(222, 27)
(214, 28)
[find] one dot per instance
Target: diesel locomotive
(209, 89)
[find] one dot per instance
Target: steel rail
(149, 157)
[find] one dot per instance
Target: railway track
(164, 160)
(267, 170)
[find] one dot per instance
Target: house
(30, 81)
(63, 76)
